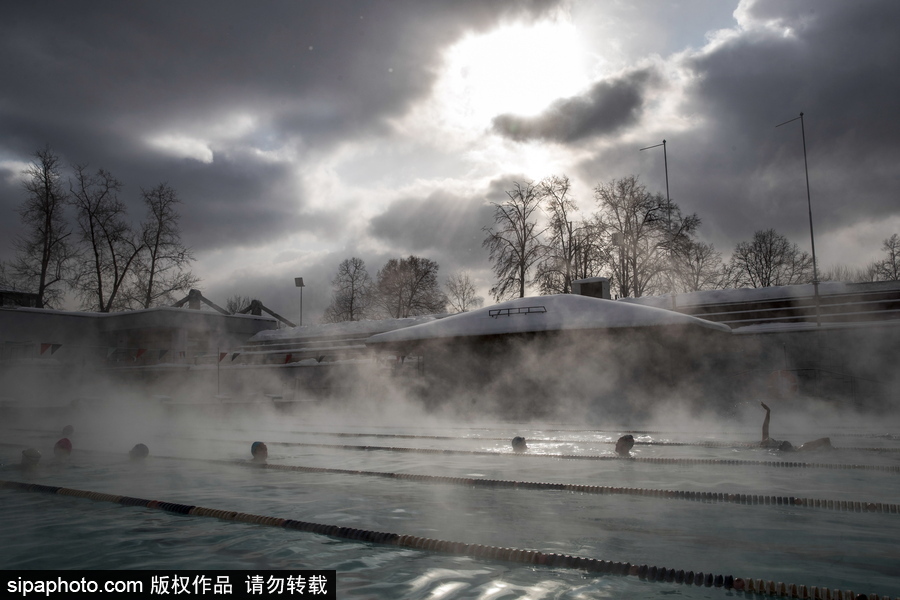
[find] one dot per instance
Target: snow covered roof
(365, 327)
(729, 296)
(811, 326)
(544, 313)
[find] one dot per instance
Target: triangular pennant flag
(110, 352)
(45, 347)
(287, 359)
(181, 354)
(54, 348)
(234, 355)
(161, 354)
(222, 355)
(140, 353)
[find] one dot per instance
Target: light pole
(668, 208)
(812, 238)
(298, 282)
(666, 163)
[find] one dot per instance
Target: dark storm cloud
(98, 79)
(441, 224)
(330, 67)
(235, 200)
(836, 62)
(607, 107)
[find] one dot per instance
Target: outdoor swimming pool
(639, 524)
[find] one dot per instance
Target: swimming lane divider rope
(517, 555)
(652, 460)
(706, 444)
(709, 497)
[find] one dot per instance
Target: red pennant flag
(222, 355)
(140, 353)
(45, 347)
(181, 354)
(287, 359)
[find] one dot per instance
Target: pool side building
(532, 355)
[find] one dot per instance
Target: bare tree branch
(352, 292)
(461, 293)
(514, 243)
(44, 253)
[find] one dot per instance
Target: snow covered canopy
(561, 312)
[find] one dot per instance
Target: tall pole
(812, 237)
(668, 206)
(298, 282)
(666, 164)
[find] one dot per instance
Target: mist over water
(453, 413)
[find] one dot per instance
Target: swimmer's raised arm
(765, 427)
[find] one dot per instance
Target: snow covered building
(843, 347)
(537, 355)
(66, 354)
(837, 303)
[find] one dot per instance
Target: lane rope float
(707, 497)
(649, 459)
(701, 444)
(694, 496)
(748, 585)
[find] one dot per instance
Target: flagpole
(812, 237)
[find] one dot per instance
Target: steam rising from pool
(566, 395)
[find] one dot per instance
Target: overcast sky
(299, 134)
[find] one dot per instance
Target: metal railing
(521, 310)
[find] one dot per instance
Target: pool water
(783, 543)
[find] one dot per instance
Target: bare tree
(110, 244)
(698, 266)
(593, 248)
(351, 292)
(409, 287)
(162, 269)
(769, 260)
(646, 230)
(557, 267)
(43, 252)
(840, 272)
(515, 242)
(888, 269)
(461, 294)
(236, 303)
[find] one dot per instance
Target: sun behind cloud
(518, 68)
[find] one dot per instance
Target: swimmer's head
(139, 452)
(786, 446)
(518, 444)
(624, 445)
(259, 451)
(30, 457)
(63, 448)
(67, 431)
